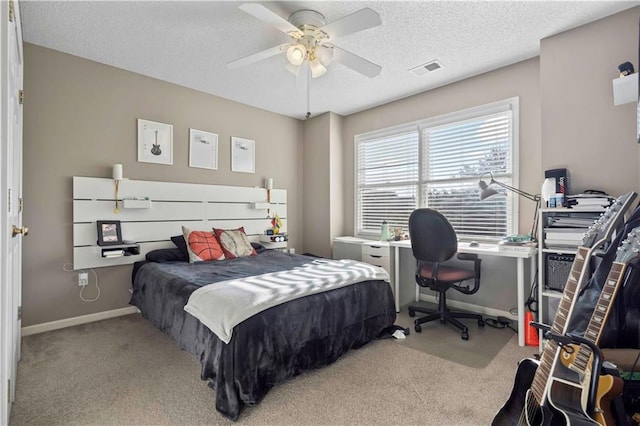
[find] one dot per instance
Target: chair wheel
(412, 313)
(480, 323)
(418, 328)
(442, 321)
(465, 336)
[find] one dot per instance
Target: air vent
(425, 68)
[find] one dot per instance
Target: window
(437, 163)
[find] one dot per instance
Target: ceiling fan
(312, 40)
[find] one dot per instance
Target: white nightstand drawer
(375, 248)
(378, 261)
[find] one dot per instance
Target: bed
(276, 344)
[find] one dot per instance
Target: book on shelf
(589, 201)
(516, 246)
(565, 233)
(562, 244)
(570, 222)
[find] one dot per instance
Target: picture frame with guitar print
(155, 142)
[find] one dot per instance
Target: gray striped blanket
(223, 305)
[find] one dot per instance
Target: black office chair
(433, 241)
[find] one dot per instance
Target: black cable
(501, 322)
(533, 291)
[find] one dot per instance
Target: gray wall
(317, 175)
(323, 183)
(582, 129)
(80, 119)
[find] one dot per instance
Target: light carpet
(124, 371)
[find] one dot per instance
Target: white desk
(481, 250)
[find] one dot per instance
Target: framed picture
(243, 155)
(203, 149)
(155, 142)
(109, 232)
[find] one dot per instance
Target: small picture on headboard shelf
(109, 232)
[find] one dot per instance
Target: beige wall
(336, 188)
(80, 119)
(521, 79)
(582, 130)
(316, 171)
(323, 183)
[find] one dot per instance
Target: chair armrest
(472, 257)
(467, 256)
(477, 269)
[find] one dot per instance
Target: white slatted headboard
(196, 206)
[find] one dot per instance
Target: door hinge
(20, 204)
(21, 97)
(9, 391)
(19, 313)
(11, 11)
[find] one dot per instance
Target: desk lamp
(487, 192)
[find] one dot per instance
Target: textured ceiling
(189, 43)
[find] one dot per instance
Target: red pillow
(234, 242)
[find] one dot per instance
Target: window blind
(455, 156)
(387, 181)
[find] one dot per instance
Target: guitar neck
(600, 314)
(560, 321)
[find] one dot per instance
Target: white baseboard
(470, 307)
(84, 319)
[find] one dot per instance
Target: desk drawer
(375, 250)
(378, 261)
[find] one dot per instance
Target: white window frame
(512, 104)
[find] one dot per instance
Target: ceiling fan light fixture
(296, 54)
(317, 69)
(325, 54)
(293, 69)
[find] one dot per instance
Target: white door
(11, 63)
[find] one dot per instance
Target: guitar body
(608, 388)
(567, 399)
(516, 410)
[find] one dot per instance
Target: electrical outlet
(83, 279)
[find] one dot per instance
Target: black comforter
(267, 348)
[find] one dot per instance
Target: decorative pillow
(259, 248)
(179, 241)
(234, 243)
(202, 245)
(167, 255)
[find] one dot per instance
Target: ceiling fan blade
(357, 21)
(355, 62)
(257, 56)
(271, 18)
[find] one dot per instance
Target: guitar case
(622, 329)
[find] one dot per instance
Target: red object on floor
(531, 334)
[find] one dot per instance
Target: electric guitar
(527, 404)
(569, 396)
